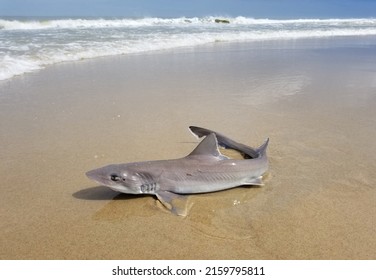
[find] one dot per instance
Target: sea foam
(29, 45)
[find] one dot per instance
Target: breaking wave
(29, 45)
(183, 21)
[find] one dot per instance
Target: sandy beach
(314, 98)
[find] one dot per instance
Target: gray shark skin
(204, 170)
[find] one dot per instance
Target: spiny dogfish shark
(204, 170)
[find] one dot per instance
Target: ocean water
(28, 45)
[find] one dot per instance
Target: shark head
(118, 177)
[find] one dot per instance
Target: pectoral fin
(176, 203)
(256, 181)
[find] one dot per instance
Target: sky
(279, 9)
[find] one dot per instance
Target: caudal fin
(262, 149)
(248, 152)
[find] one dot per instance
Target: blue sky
(190, 8)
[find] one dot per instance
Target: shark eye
(115, 177)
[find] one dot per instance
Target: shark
(203, 170)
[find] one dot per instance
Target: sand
(314, 98)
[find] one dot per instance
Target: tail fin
(262, 149)
(248, 152)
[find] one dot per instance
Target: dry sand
(315, 99)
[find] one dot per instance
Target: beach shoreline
(314, 98)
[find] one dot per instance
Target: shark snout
(93, 175)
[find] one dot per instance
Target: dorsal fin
(227, 143)
(208, 147)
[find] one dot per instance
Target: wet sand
(315, 99)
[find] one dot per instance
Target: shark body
(204, 170)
